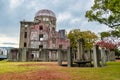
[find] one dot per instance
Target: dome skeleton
(45, 12)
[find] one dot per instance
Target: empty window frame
(25, 35)
(40, 37)
(25, 44)
(40, 46)
(40, 27)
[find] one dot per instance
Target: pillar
(10, 56)
(44, 55)
(59, 57)
(24, 53)
(112, 56)
(69, 54)
(80, 50)
(95, 56)
(103, 57)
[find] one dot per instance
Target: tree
(106, 12)
(107, 45)
(74, 35)
(88, 36)
(117, 52)
(116, 32)
(104, 34)
(111, 37)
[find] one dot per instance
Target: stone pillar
(44, 55)
(24, 52)
(10, 56)
(47, 56)
(50, 56)
(17, 56)
(20, 55)
(59, 57)
(69, 54)
(108, 55)
(112, 56)
(103, 57)
(95, 56)
(40, 54)
(80, 50)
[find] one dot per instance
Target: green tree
(111, 36)
(117, 52)
(106, 12)
(116, 32)
(74, 35)
(104, 34)
(88, 36)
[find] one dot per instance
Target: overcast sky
(70, 15)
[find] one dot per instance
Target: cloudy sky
(70, 14)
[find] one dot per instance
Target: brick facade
(39, 39)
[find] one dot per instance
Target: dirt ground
(48, 74)
(37, 75)
(51, 72)
(118, 60)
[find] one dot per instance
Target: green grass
(6, 67)
(109, 72)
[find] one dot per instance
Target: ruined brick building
(39, 39)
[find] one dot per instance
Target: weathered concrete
(10, 57)
(95, 56)
(59, 57)
(80, 50)
(45, 55)
(103, 57)
(41, 34)
(110, 55)
(24, 52)
(69, 57)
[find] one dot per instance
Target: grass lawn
(51, 71)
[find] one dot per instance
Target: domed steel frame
(45, 12)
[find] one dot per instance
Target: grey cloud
(9, 43)
(9, 19)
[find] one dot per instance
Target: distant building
(40, 36)
(4, 52)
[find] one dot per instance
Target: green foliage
(88, 36)
(117, 52)
(104, 34)
(105, 11)
(116, 32)
(74, 35)
(109, 36)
